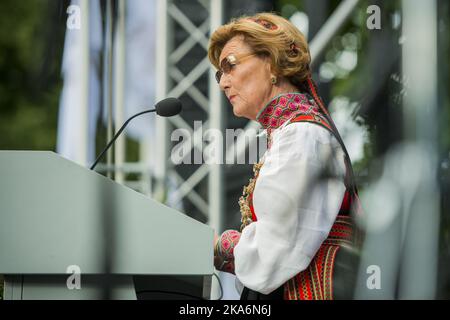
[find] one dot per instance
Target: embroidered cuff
(226, 243)
(224, 250)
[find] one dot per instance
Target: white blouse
(296, 199)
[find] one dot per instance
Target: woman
(295, 210)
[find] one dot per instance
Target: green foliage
(31, 42)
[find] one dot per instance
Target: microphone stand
(117, 135)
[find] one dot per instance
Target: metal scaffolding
(173, 83)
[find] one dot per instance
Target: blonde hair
(270, 35)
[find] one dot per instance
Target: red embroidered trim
(285, 107)
(225, 249)
(254, 218)
(228, 240)
(312, 118)
(316, 282)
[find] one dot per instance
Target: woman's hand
(218, 259)
(223, 250)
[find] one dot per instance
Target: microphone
(168, 107)
(165, 108)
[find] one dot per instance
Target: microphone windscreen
(168, 107)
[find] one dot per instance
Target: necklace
(245, 199)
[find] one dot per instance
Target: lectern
(70, 233)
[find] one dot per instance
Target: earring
(273, 79)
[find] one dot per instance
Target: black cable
(220, 286)
(185, 294)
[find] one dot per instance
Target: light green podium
(70, 233)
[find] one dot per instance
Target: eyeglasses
(229, 62)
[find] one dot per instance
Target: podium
(67, 232)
